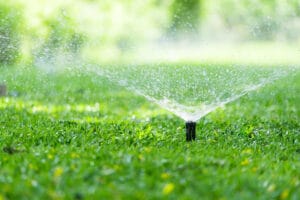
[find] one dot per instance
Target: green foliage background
(118, 27)
(10, 30)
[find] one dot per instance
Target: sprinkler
(190, 128)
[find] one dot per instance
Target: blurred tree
(185, 17)
(259, 17)
(10, 21)
(296, 6)
(62, 38)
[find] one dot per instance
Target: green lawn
(79, 136)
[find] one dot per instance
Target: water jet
(191, 91)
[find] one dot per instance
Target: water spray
(191, 92)
(190, 128)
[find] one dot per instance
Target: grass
(76, 136)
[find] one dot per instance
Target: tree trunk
(2, 90)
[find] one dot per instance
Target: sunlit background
(255, 31)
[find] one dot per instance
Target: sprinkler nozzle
(190, 128)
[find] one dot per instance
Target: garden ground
(62, 139)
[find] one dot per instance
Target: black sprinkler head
(190, 128)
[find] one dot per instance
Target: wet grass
(74, 136)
